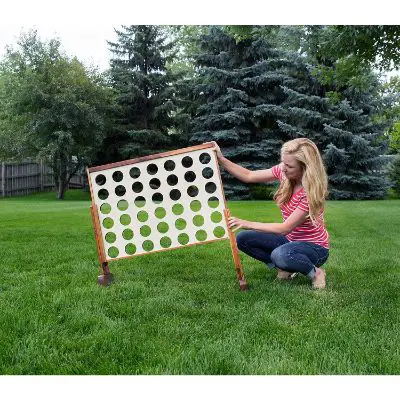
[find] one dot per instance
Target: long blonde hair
(314, 180)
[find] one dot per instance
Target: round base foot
(243, 285)
(105, 280)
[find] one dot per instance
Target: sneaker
(318, 282)
(283, 275)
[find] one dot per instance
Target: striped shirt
(305, 232)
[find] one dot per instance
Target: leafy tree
(394, 174)
(58, 105)
(145, 92)
(375, 45)
(390, 112)
(394, 144)
(187, 40)
(12, 127)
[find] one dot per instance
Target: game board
(159, 202)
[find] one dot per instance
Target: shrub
(394, 174)
(262, 191)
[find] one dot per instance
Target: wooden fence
(18, 179)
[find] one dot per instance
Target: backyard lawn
(181, 311)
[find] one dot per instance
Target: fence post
(3, 179)
(41, 175)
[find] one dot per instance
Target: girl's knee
(279, 257)
(241, 239)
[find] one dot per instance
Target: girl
(301, 242)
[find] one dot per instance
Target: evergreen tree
(254, 98)
(351, 141)
(235, 87)
(145, 92)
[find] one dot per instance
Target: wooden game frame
(106, 277)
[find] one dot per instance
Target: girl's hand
(237, 223)
(218, 150)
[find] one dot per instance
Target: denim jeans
(277, 251)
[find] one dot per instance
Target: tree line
(250, 88)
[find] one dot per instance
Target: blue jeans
(277, 251)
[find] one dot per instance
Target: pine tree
(243, 89)
(354, 156)
(254, 98)
(145, 92)
(233, 88)
(351, 142)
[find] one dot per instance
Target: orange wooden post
(235, 253)
(106, 278)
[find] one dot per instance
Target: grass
(180, 312)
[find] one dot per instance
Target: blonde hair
(314, 179)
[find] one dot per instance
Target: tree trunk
(56, 174)
(85, 184)
(62, 178)
(62, 188)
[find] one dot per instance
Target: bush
(262, 191)
(394, 174)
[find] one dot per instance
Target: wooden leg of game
(106, 278)
(235, 253)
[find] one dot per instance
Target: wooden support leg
(235, 253)
(106, 278)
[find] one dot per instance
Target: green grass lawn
(181, 311)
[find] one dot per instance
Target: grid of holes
(173, 190)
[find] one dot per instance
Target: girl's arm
(296, 218)
(243, 174)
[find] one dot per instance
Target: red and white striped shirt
(305, 232)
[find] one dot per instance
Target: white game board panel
(161, 203)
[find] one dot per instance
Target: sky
(88, 45)
(84, 26)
